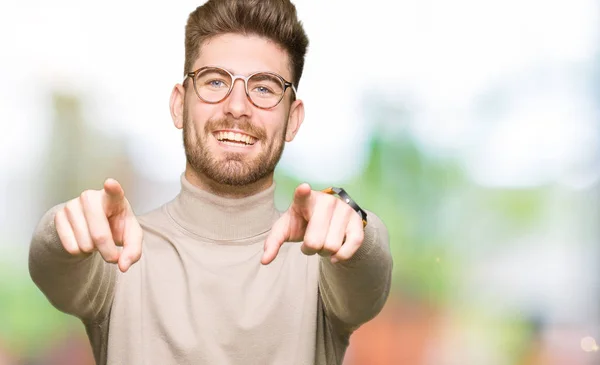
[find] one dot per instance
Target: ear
(177, 104)
(295, 120)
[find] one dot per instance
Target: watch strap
(348, 200)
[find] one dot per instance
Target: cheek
(276, 125)
(198, 116)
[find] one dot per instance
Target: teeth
(238, 137)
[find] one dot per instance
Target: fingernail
(334, 260)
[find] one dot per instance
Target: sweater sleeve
(355, 291)
(82, 286)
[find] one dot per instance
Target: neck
(226, 191)
(223, 219)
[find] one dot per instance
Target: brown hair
(273, 19)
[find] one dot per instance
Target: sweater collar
(223, 219)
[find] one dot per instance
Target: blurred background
(471, 127)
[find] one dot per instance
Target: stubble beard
(234, 169)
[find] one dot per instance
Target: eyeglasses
(264, 89)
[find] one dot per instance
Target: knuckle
(84, 242)
(312, 243)
(84, 196)
(307, 250)
(353, 238)
(349, 210)
(331, 245)
(71, 250)
(359, 236)
(331, 201)
(343, 256)
(111, 258)
(60, 216)
(100, 238)
(86, 248)
(70, 208)
(87, 196)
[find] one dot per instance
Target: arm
(355, 263)
(354, 291)
(79, 285)
(74, 249)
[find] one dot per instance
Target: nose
(237, 104)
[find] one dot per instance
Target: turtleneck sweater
(200, 295)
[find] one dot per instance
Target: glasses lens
(213, 84)
(265, 90)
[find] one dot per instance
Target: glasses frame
(286, 85)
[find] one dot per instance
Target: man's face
(212, 132)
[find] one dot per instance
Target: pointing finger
(114, 189)
(303, 201)
(113, 198)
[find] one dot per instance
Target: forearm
(79, 285)
(355, 291)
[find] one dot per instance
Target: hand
(101, 220)
(326, 225)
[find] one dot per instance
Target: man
(218, 275)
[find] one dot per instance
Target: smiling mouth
(235, 139)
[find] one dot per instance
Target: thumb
(303, 200)
(132, 243)
(280, 233)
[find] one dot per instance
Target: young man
(218, 275)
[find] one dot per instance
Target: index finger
(113, 197)
(303, 199)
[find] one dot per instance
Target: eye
(263, 90)
(265, 85)
(216, 83)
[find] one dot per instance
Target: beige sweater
(199, 294)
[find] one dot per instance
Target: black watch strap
(346, 198)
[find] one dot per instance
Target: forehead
(244, 54)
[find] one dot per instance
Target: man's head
(271, 19)
(236, 139)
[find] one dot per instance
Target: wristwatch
(346, 198)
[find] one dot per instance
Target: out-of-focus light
(588, 344)
(437, 259)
